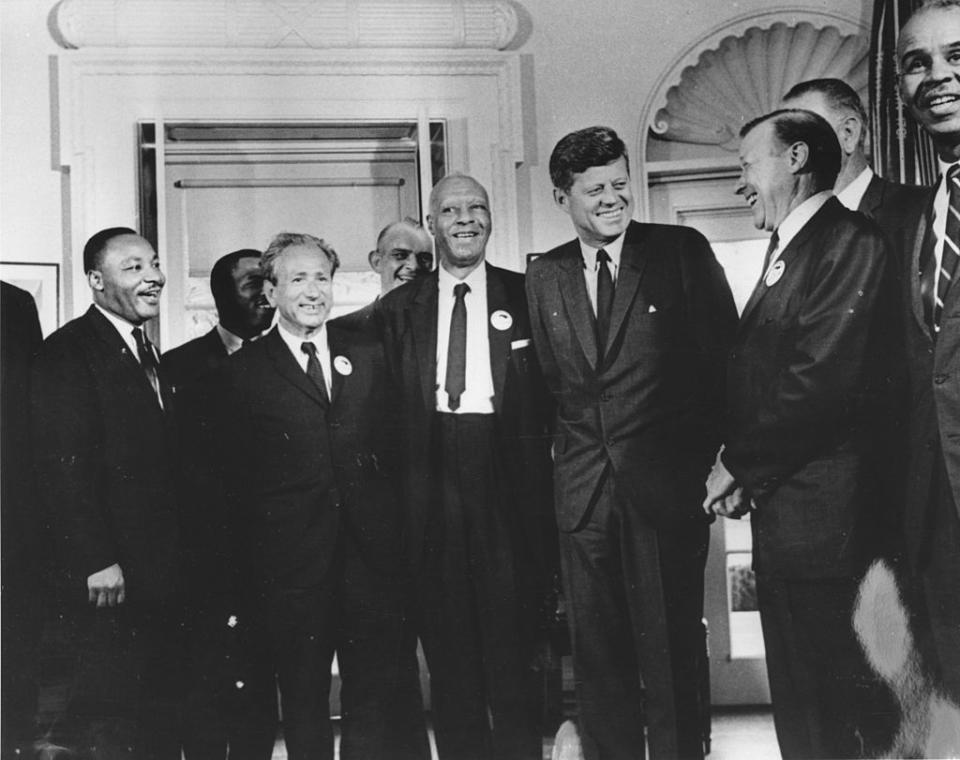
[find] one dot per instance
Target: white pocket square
(652, 309)
(523, 342)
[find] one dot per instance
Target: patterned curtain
(901, 150)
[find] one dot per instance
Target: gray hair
(285, 240)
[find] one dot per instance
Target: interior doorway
(209, 188)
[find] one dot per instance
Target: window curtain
(902, 152)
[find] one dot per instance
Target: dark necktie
(933, 304)
(604, 299)
(314, 370)
(148, 360)
(456, 380)
(771, 248)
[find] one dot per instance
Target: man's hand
(720, 485)
(105, 587)
(735, 506)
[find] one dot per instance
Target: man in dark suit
(314, 505)
(889, 204)
(857, 187)
(223, 642)
(404, 253)
(102, 443)
(930, 87)
(631, 323)
(807, 393)
(23, 591)
(478, 528)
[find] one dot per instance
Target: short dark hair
(221, 276)
(578, 151)
(839, 96)
(284, 240)
(793, 125)
(96, 245)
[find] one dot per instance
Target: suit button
(940, 378)
(610, 441)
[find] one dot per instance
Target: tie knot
(460, 290)
(309, 348)
(775, 239)
(602, 256)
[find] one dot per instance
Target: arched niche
(739, 70)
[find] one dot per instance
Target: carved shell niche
(746, 76)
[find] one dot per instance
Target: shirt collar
(802, 214)
(944, 168)
(614, 249)
(477, 280)
(319, 339)
(122, 326)
(852, 194)
(231, 342)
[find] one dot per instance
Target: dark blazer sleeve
(712, 319)
(817, 389)
(67, 438)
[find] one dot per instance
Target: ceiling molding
(272, 24)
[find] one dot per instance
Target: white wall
(588, 63)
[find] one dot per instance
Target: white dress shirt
(319, 339)
(477, 397)
(591, 266)
(941, 205)
(795, 222)
(852, 194)
(232, 343)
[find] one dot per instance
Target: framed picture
(42, 281)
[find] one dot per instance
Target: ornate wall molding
(317, 24)
(741, 70)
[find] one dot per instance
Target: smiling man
(478, 526)
(309, 462)
(106, 488)
(217, 714)
(631, 323)
(929, 61)
(404, 252)
(807, 399)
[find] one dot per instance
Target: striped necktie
(951, 245)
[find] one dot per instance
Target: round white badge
(501, 320)
(775, 273)
(342, 365)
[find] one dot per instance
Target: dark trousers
(938, 577)
(231, 692)
(826, 700)
(358, 614)
(21, 612)
(471, 610)
(123, 701)
(635, 606)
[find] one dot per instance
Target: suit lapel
(423, 332)
(338, 345)
(573, 292)
(818, 221)
(632, 264)
(499, 339)
(289, 368)
(923, 239)
(105, 331)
